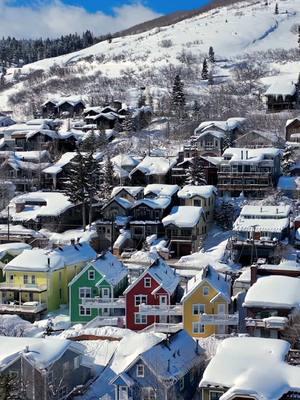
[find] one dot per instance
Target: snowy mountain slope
(233, 31)
(243, 27)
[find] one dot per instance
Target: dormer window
(140, 371)
(147, 282)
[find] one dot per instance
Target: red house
(152, 297)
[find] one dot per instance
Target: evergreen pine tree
(107, 179)
(288, 160)
(82, 178)
(276, 9)
(227, 140)
(211, 55)
(224, 215)
(195, 174)
(204, 73)
(178, 97)
(128, 124)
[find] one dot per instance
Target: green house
(95, 290)
(8, 251)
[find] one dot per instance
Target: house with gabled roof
(206, 303)
(130, 193)
(95, 291)
(247, 368)
(152, 170)
(169, 369)
(147, 215)
(37, 280)
(43, 369)
(152, 297)
(199, 196)
(185, 228)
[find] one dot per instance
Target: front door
(123, 393)
(221, 328)
(163, 301)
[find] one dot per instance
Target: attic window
(147, 282)
(91, 275)
(205, 291)
(140, 371)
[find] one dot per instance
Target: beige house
(185, 228)
(199, 196)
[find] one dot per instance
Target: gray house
(44, 369)
(169, 370)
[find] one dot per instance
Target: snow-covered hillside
(233, 31)
(244, 27)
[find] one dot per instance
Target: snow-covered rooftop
(267, 212)
(171, 360)
(42, 260)
(274, 291)
(260, 224)
(163, 274)
(252, 366)
(250, 155)
(132, 190)
(230, 124)
(13, 248)
(73, 100)
(155, 165)
(184, 216)
(58, 166)
(161, 190)
(281, 87)
(190, 191)
(213, 277)
(56, 204)
(40, 352)
(125, 160)
(157, 203)
(111, 268)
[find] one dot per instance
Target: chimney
(26, 350)
(277, 211)
(20, 205)
(73, 242)
(253, 274)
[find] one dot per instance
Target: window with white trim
(25, 279)
(91, 275)
(147, 282)
(105, 292)
(198, 309)
(205, 291)
(33, 280)
(140, 371)
(140, 319)
(198, 328)
(84, 311)
(148, 393)
(85, 292)
(140, 299)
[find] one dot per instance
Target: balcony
(257, 242)
(159, 327)
(219, 319)
(279, 323)
(100, 302)
(158, 310)
(25, 287)
(244, 186)
(182, 238)
(30, 308)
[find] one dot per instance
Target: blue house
(170, 369)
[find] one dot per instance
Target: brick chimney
(20, 205)
(253, 274)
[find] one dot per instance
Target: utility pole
(8, 222)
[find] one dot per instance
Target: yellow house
(199, 196)
(37, 280)
(206, 304)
